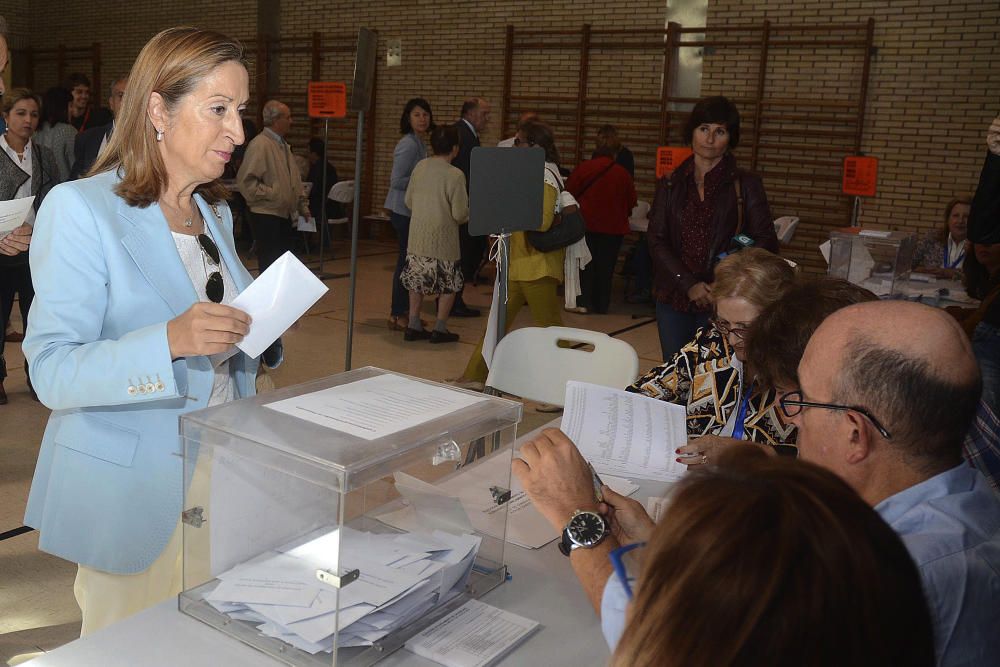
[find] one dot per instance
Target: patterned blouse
(929, 252)
(702, 378)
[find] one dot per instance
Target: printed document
(12, 214)
(474, 635)
(625, 434)
(376, 407)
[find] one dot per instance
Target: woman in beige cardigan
(439, 203)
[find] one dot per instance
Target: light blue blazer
(408, 152)
(108, 485)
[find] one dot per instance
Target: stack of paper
(402, 577)
(474, 635)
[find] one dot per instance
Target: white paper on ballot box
(279, 296)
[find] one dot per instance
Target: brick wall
(452, 50)
(121, 28)
(933, 89)
(933, 86)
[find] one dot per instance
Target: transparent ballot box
(326, 523)
(877, 260)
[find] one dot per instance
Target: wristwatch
(585, 530)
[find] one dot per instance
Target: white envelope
(278, 297)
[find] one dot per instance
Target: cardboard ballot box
(877, 260)
(326, 523)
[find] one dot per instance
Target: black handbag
(566, 229)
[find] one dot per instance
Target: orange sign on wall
(860, 175)
(669, 158)
(327, 99)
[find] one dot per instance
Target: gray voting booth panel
(364, 70)
(506, 189)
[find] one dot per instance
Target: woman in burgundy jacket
(705, 209)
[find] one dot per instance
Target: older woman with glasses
(710, 377)
(134, 268)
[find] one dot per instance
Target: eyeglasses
(215, 288)
(792, 404)
(723, 328)
(620, 564)
(518, 142)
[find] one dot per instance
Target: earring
(159, 135)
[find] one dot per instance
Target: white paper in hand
(12, 214)
(278, 297)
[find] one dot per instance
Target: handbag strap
(558, 178)
(595, 179)
(739, 206)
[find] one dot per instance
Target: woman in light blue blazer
(416, 121)
(130, 328)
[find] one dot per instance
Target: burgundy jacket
(669, 273)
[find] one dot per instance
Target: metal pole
(355, 223)
(323, 229)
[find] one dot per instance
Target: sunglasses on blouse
(215, 288)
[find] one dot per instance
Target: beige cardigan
(438, 203)
(269, 180)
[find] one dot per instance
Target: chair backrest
(342, 191)
(784, 228)
(640, 211)
(530, 362)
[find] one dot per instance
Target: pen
(598, 483)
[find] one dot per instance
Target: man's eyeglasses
(518, 142)
(621, 563)
(792, 404)
(215, 288)
(725, 329)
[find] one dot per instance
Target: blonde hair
(754, 274)
(172, 64)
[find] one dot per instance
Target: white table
(542, 587)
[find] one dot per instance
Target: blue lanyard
(739, 428)
(958, 260)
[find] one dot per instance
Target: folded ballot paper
(279, 296)
(402, 576)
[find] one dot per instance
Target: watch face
(586, 529)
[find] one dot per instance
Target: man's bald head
(909, 365)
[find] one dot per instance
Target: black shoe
(416, 334)
(3, 394)
(443, 337)
(462, 310)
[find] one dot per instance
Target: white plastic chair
(343, 192)
(784, 228)
(638, 219)
(529, 362)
